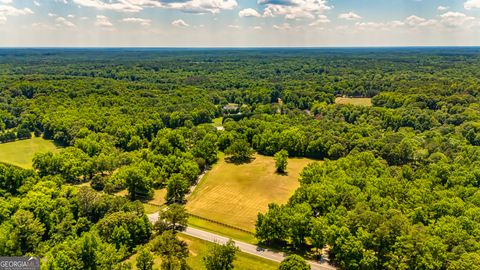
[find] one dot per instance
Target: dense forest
(399, 187)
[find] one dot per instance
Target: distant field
(199, 248)
(20, 153)
(354, 101)
(235, 194)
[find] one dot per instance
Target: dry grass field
(20, 153)
(235, 194)
(354, 101)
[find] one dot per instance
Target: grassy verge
(222, 230)
(199, 248)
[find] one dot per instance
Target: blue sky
(239, 23)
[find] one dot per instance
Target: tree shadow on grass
(281, 173)
(239, 161)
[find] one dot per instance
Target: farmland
(235, 194)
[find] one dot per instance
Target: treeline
(372, 216)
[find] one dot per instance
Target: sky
(239, 23)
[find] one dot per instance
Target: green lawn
(354, 101)
(235, 194)
(20, 153)
(199, 248)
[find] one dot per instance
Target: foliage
(239, 151)
(175, 217)
(221, 257)
(144, 259)
(398, 190)
(294, 262)
(281, 161)
(172, 251)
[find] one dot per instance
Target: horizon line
(241, 47)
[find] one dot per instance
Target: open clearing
(235, 194)
(199, 248)
(20, 153)
(354, 101)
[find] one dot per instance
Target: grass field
(199, 248)
(354, 101)
(235, 194)
(20, 153)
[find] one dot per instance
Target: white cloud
(71, 16)
(180, 23)
(143, 22)
(233, 26)
(285, 26)
(201, 6)
(192, 6)
(6, 11)
(249, 12)
(61, 21)
(321, 19)
(122, 5)
(257, 27)
(415, 21)
(103, 21)
(36, 3)
(5, 1)
(294, 9)
(471, 4)
(448, 19)
(453, 19)
(442, 8)
(52, 15)
(350, 16)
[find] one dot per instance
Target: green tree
(175, 217)
(27, 231)
(294, 262)
(221, 257)
(207, 149)
(239, 151)
(144, 259)
(172, 251)
(177, 188)
(281, 161)
(137, 183)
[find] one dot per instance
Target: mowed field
(354, 101)
(235, 194)
(199, 248)
(20, 153)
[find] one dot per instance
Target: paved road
(244, 247)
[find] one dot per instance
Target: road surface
(244, 247)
